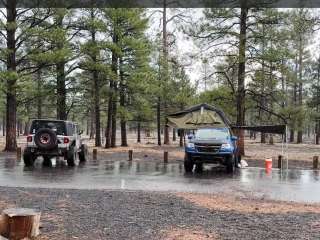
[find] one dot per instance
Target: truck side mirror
(234, 138)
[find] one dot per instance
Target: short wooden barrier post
(20, 223)
(280, 161)
(315, 162)
(94, 154)
(19, 153)
(130, 155)
(165, 157)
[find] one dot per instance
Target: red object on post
(65, 140)
(29, 138)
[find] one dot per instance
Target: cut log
(20, 223)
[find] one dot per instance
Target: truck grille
(208, 148)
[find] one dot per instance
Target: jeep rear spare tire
(46, 139)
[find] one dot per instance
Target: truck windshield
(217, 133)
(57, 126)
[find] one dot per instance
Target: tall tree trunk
(96, 85)
(241, 78)
(263, 99)
(300, 121)
(61, 92)
(166, 139)
(11, 104)
(318, 99)
(139, 132)
(4, 125)
(92, 127)
(97, 108)
(174, 136)
(61, 80)
(123, 122)
(114, 120)
(181, 142)
(159, 121)
(39, 95)
(291, 138)
(115, 67)
(109, 118)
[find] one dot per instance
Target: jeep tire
(47, 161)
(188, 163)
(230, 163)
(83, 153)
(28, 158)
(71, 157)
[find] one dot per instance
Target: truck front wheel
(188, 163)
(230, 164)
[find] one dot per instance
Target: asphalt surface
(293, 185)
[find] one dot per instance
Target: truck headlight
(226, 146)
(190, 145)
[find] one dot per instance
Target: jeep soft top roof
(53, 120)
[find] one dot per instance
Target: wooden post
(94, 154)
(20, 223)
(280, 163)
(315, 162)
(130, 155)
(165, 157)
(19, 153)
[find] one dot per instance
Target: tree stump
(20, 223)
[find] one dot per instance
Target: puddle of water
(294, 185)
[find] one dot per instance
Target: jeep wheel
(71, 157)
(47, 161)
(230, 164)
(28, 158)
(188, 163)
(83, 153)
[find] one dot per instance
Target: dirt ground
(98, 215)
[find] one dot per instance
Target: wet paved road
(295, 185)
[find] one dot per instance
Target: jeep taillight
(65, 140)
(29, 139)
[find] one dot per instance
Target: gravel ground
(91, 214)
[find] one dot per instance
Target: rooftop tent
(199, 116)
(204, 115)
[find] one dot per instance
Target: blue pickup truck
(211, 145)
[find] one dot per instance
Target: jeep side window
(70, 128)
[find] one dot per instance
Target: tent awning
(199, 116)
(204, 116)
(275, 129)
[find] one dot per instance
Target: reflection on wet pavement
(294, 185)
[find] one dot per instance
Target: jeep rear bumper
(52, 152)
